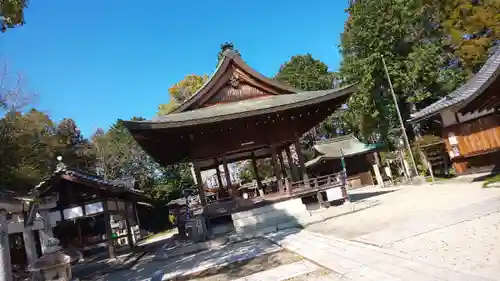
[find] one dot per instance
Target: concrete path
(425, 223)
(450, 224)
(283, 272)
(357, 261)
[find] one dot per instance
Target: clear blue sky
(96, 61)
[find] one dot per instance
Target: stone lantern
(55, 265)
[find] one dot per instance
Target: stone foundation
(270, 218)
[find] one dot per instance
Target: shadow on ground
(355, 197)
(224, 261)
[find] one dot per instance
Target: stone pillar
(227, 174)
(109, 231)
(30, 246)
(302, 166)
(47, 229)
(276, 168)
(5, 264)
(293, 168)
(199, 182)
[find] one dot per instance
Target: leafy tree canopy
(471, 28)
(181, 91)
(305, 73)
(407, 34)
(12, 13)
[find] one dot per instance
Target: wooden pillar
(130, 239)
(227, 174)
(256, 171)
(109, 231)
(199, 183)
(79, 231)
(376, 158)
(460, 166)
(136, 214)
(282, 165)
(276, 168)
(219, 178)
(5, 263)
(302, 166)
(293, 168)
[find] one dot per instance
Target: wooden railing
(322, 182)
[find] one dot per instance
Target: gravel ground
(242, 269)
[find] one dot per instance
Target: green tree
(471, 28)
(306, 73)
(181, 91)
(118, 156)
(72, 146)
(404, 32)
(12, 13)
(27, 153)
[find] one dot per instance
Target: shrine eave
(241, 109)
(459, 98)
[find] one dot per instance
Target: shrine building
(240, 114)
(470, 120)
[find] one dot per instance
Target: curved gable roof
(230, 58)
(474, 87)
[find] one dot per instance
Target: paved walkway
(357, 261)
(451, 224)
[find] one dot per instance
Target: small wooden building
(90, 212)
(359, 159)
(471, 120)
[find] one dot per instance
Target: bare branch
(13, 93)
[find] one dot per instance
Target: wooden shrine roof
(474, 87)
(331, 149)
(239, 109)
(92, 182)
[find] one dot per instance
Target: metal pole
(400, 118)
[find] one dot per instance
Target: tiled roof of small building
(334, 148)
(113, 186)
(474, 87)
